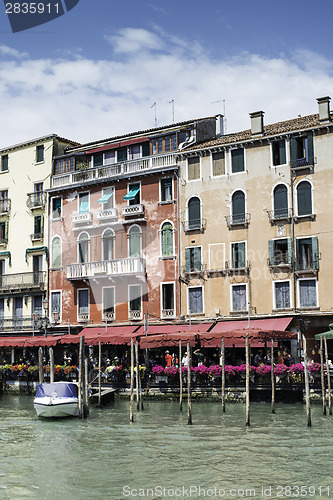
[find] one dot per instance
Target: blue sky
(96, 71)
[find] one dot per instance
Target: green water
(106, 457)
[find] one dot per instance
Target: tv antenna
(172, 102)
(154, 105)
(223, 112)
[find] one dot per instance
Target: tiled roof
(300, 123)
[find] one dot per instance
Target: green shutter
(42, 225)
(310, 156)
(237, 160)
(187, 260)
(238, 203)
(241, 255)
(167, 240)
(6, 231)
(315, 253)
(293, 152)
(298, 256)
(282, 152)
(304, 198)
(271, 252)
(290, 250)
(197, 258)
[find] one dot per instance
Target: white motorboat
(59, 399)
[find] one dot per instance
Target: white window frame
(92, 160)
(78, 201)
(225, 164)
(230, 252)
(114, 296)
(274, 295)
(61, 208)
(128, 241)
(172, 190)
(43, 160)
(60, 312)
(312, 198)
(174, 297)
(232, 194)
(287, 142)
(247, 297)
(188, 299)
(51, 259)
(312, 278)
(78, 302)
(78, 243)
(200, 169)
(128, 190)
(230, 163)
(105, 191)
(129, 296)
(201, 253)
(173, 240)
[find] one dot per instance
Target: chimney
(257, 123)
(219, 125)
(324, 109)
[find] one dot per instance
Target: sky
(96, 71)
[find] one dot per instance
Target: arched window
(107, 244)
(238, 207)
(134, 242)
(167, 239)
(194, 213)
(304, 198)
(83, 248)
(56, 252)
(280, 201)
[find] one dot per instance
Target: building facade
(114, 227)
(257, 231)
(25, 171)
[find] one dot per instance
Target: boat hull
(56, 407)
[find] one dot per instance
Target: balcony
(131, 210)
(280, 262)
(109, 316)
(168, 313)
(36, 200)
(119, 267)
(134, 315)
(36, 236)
(114, 170)
(83, 317)
(279, 214)
(82, 218)
(22, 281)
(5, 205)
(17, 323)
(107, 214)
(237, 267)
(194, 225)
(199, 269)
(303, 163)
(237, 220)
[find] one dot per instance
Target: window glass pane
(145, 149)
(166, 189)
(56, 208)
(237, 160)
(108, 300)
(134, 242)
(194, 212)
(83, 202)
(108, 245)
(238, 206)
(280, 201)
(55, 302)
(167, 296)
(122, 154)
(40, 153)
(135, 297)
(83, 296)
(4, 163)
(195, 300)
(98, 159)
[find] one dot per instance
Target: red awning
(167, 340)
(12, 341)
(170, 329)
(262, 324)
(119, 144)
(41, 341)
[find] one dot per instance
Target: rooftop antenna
(172, 102)
(152, 106)
(223, 112)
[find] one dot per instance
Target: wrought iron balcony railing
(194, 225)
(36, 200)
(237, 220)
(194, 269)
(234, 266)
(5, 205)
(36, 236)
(302, 163)
(279, 214)
(22, 281)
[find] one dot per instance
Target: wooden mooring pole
(223, 375)
(40, 365)
(137, 375)
(322, 376)
(180, 377)
(189, 403)
(51, 357)
(328, 379)
(247, 381)
(132, 381)
(272, 376)
(307, 385)
(99, 403)
(81, 368)
(85, 390)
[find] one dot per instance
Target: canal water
(160, 456)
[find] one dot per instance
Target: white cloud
(85, 99)
(10, 52)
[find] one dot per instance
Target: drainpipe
(293, 264)
(178, 242)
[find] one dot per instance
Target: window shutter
(238, 203)
(6, 231)
(293, 151)
(310, 156)
(187, 260)
(241, 255)
(282, 151)
(298, 256)
(194, 210)
(304, 198)
(290, 250)
(271, 252)
(237, 160)
(315, 253)
(280, 200)
(42, 224)
(197, 258)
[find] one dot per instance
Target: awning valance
(7, 254)
(132, 194)
(37, 249)
(116, 145)
(104, 198)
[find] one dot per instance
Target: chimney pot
(257, 123)
(324, 109)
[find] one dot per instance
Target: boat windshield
(62, 390)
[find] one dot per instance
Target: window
(83, 248)
(194, 213)
(279, 152)
(166, 189)
(4, 202)
(304, 198)
(193, 261)
(307, 293)
(134, 242)
(145, 149)
(18, 311)
(168, 300)
(193, 168)
(64, 165)
(282, 294)
(56, 208)
(83, 202)
(39, 154)
(56, 253)
(167, 240)
(164, 144)
(134, 297)
(133, 196)
(4, 163)
(38, 194)
(121, 154)
(238, 207)
(195, 300)
(280, 252)
(239, 299)
(98, 159)
(108, 302)
(238, 255)
(218, 163)
(301, 151)
(83, 301)
(307, 254)
(2, 312)
(37, 304)
(4, 232)
(107, 199)
(108, 239)
(134, 152)
(237, 160)
(38, 227)
(280, 201)
(55, 302)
